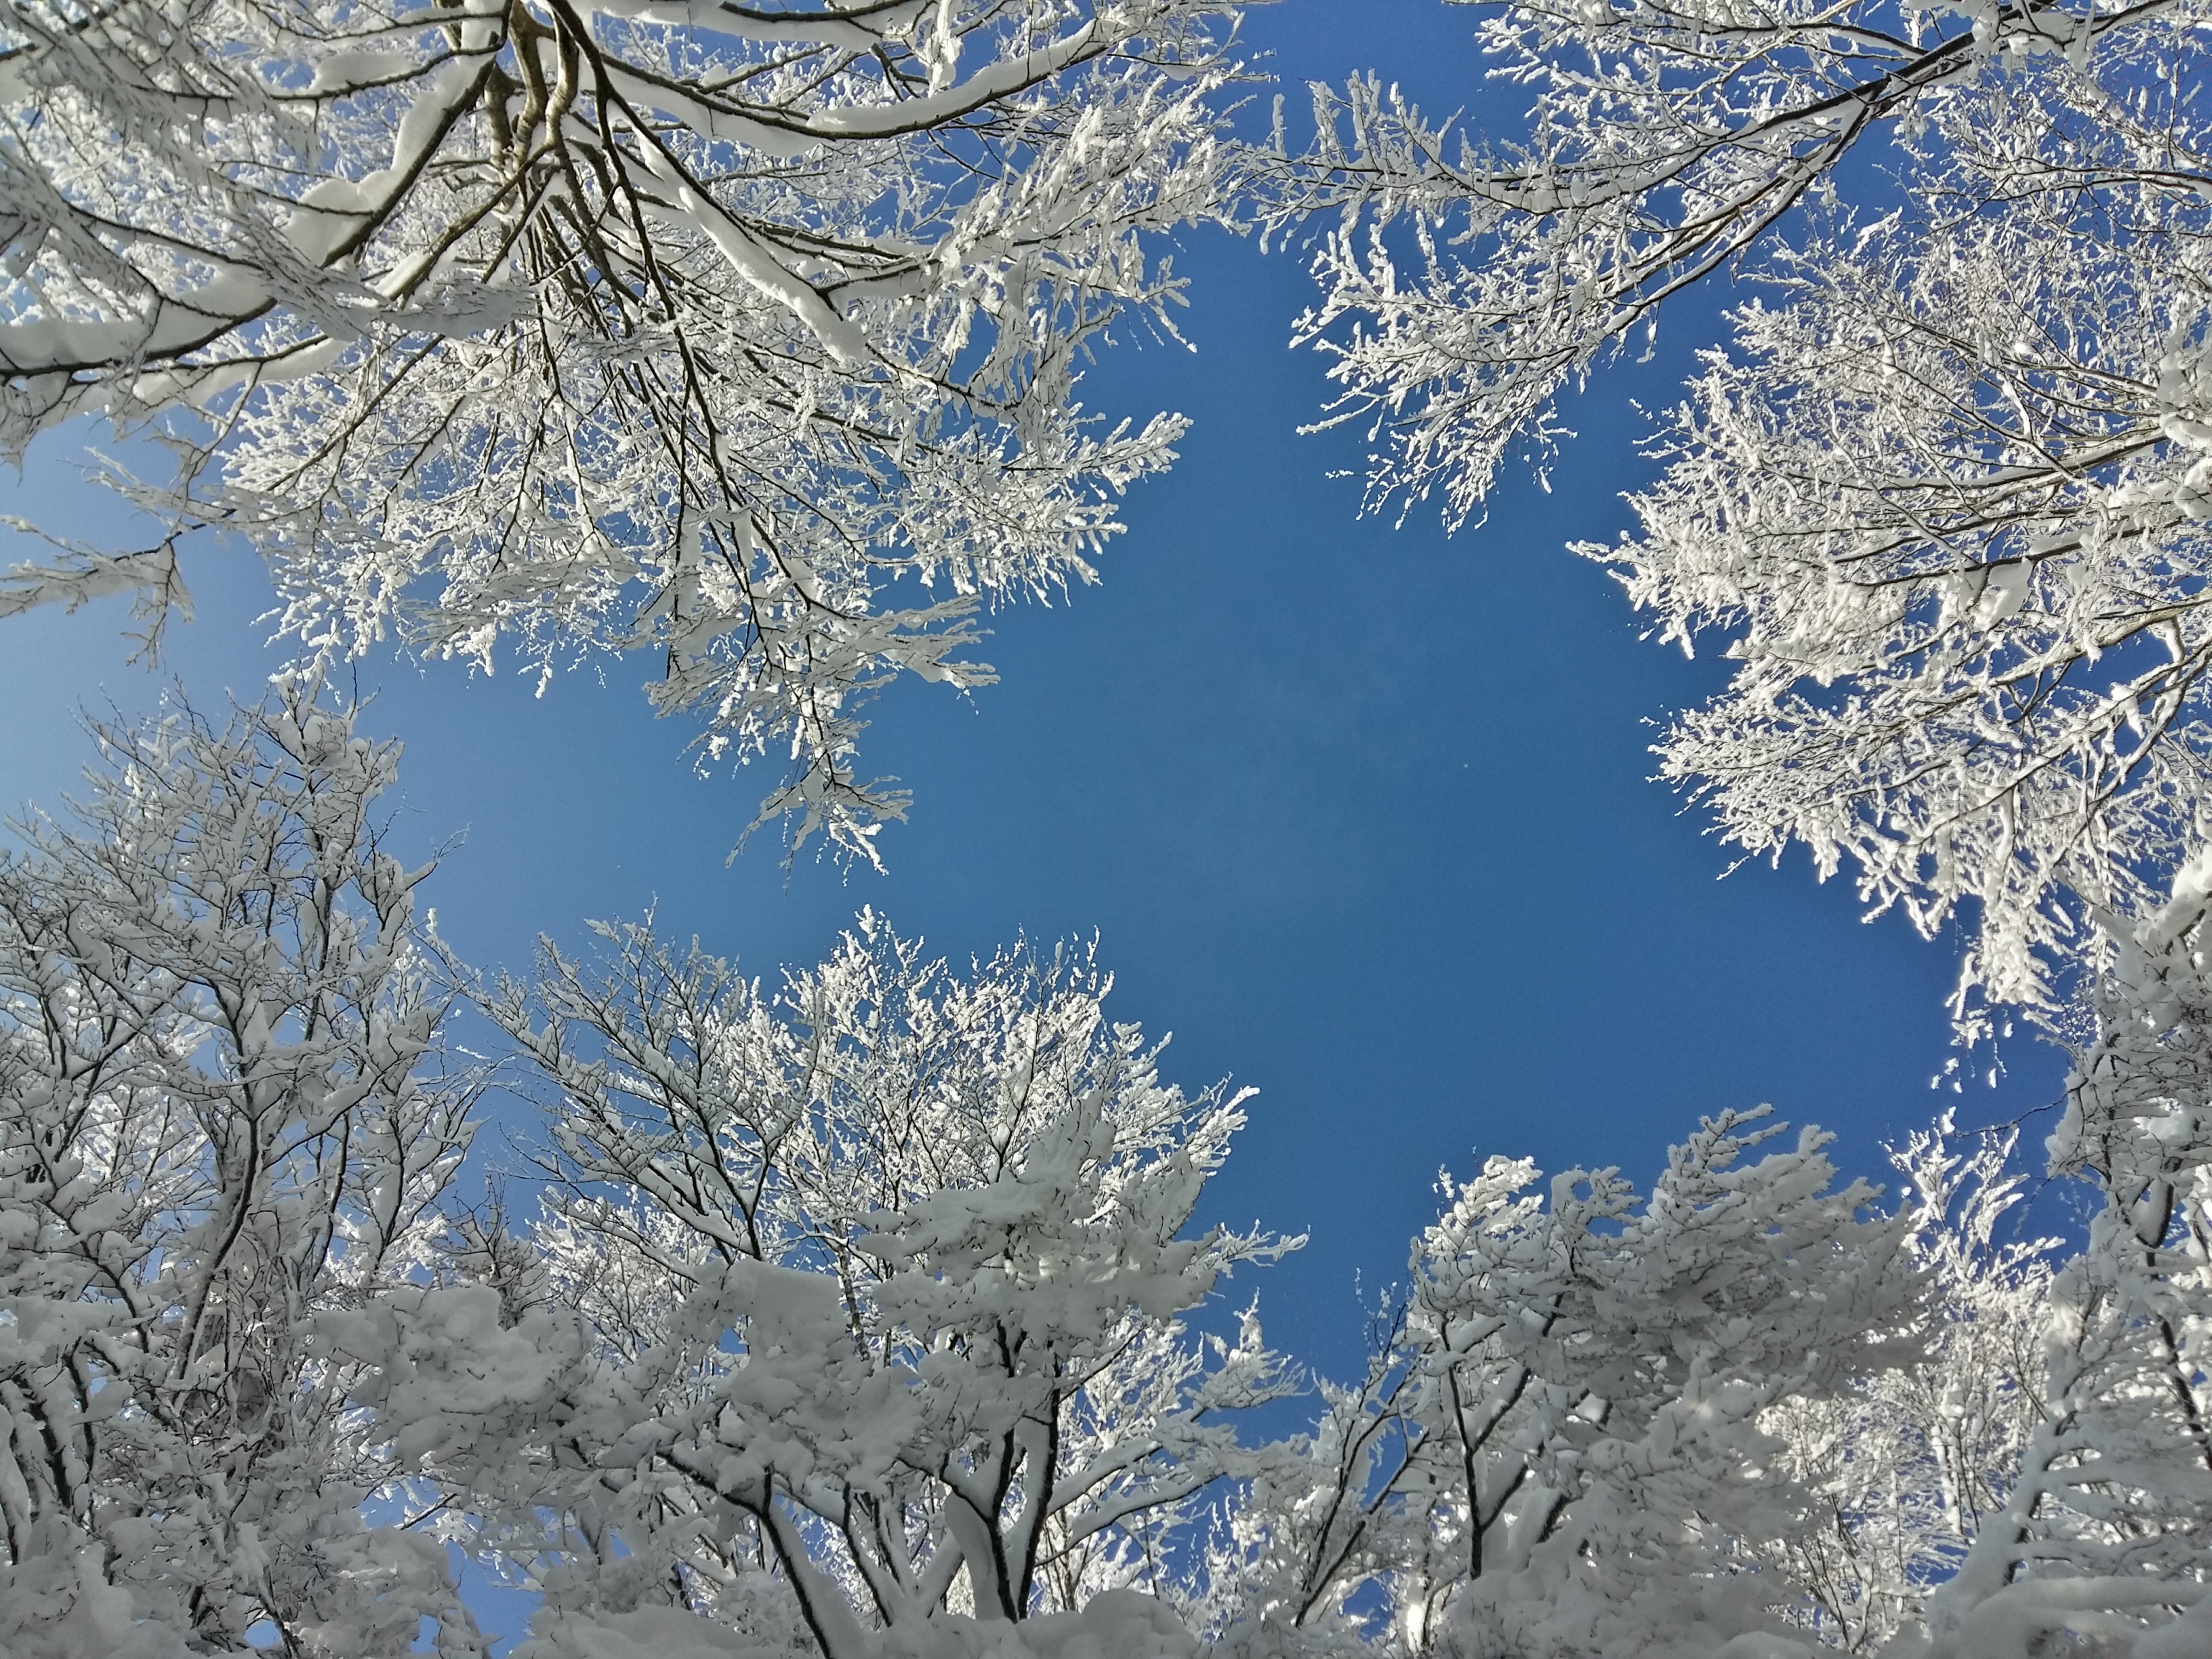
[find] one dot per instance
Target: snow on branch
(865, 1315)
(1940, 498)
(223, 1116)
(746, 337)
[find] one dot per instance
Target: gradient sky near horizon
(1360, 813)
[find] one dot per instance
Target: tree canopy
(746, 337)
(863, 1318)
(1938, 496)
(867, 1313)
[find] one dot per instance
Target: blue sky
(1360, 813)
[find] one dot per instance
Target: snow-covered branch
(883, 1276)
(1939, 496)
(222, 1118)
(747, 338)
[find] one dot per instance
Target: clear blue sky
(1360, 813)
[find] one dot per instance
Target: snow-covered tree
(1940, 497)
(2106, 1534)
(221, 1117)
(1941, 494)
(1907, 1464)
(854, 1327)
(1567, 1440)
(852, 1324)
(748, 336)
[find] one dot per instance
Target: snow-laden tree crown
(879, 1284)
(869, 1313)
(1938, 497)
(746, 335)
(224, 1116)
(863, 1315)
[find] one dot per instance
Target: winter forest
(1360, 508)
